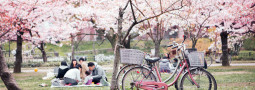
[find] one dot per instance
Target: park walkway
(237, 64)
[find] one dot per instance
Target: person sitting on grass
(74, 64)
(63, 68)
(72, 76)
(98, 74)
(88, 78)
(83, 67)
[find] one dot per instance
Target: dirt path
(229, 73)
(237, 64)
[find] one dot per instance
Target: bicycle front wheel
(203, 78)
(136, 74)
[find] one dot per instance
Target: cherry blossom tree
(156, 29)
(197, 17)
(235, 17)
(5, 22)
(50, 21)
(35, 21)
(19, 28)
(125, 19)
(63, 22)
(5, 74)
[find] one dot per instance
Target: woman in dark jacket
(63, 68)
(74, 64)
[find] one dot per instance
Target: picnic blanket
(77, 86)
(57, 83)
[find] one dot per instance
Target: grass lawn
(235, 77)
(228, 78)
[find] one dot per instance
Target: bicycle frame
(151, 85)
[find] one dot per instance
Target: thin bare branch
(206, 19)
(159, 14)
(161, 9)
(128, 31)
(135, 35)
(132, 9)
(77, 44)
(151, 36)
(201, 25)
(4, 33)
(174, 4)
(139, 10)
(150, 7)
(126, 6)
(134, 23)
(149, 18)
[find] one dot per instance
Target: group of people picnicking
(85, 73)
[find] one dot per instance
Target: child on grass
(88, 78)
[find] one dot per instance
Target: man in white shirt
(72, 76)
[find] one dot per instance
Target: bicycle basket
(196, 59)
(131, 56)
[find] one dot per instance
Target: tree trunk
(44, 55)
(224, 41)
(157, 48)
(111, 37)
(127, 43)
(72, 46)
(113, 43)
(157, 52)
(94, 50)
(194, 42)
(115, 68)
(9, 48)
(5, 74)
(17, 64)
(117, 51)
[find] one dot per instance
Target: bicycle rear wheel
(136, 74)
(209, 60)
(229, 59)
(121, 74)
(203, 78)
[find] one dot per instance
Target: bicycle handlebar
(175, 47)
(170, 45)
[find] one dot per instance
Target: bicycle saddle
(152, 60)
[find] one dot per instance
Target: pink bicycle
(194, 76)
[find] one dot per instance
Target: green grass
(228, 78)
(32, 80)
(238, 77)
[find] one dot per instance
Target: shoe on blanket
(68, 84)
(99, 84)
